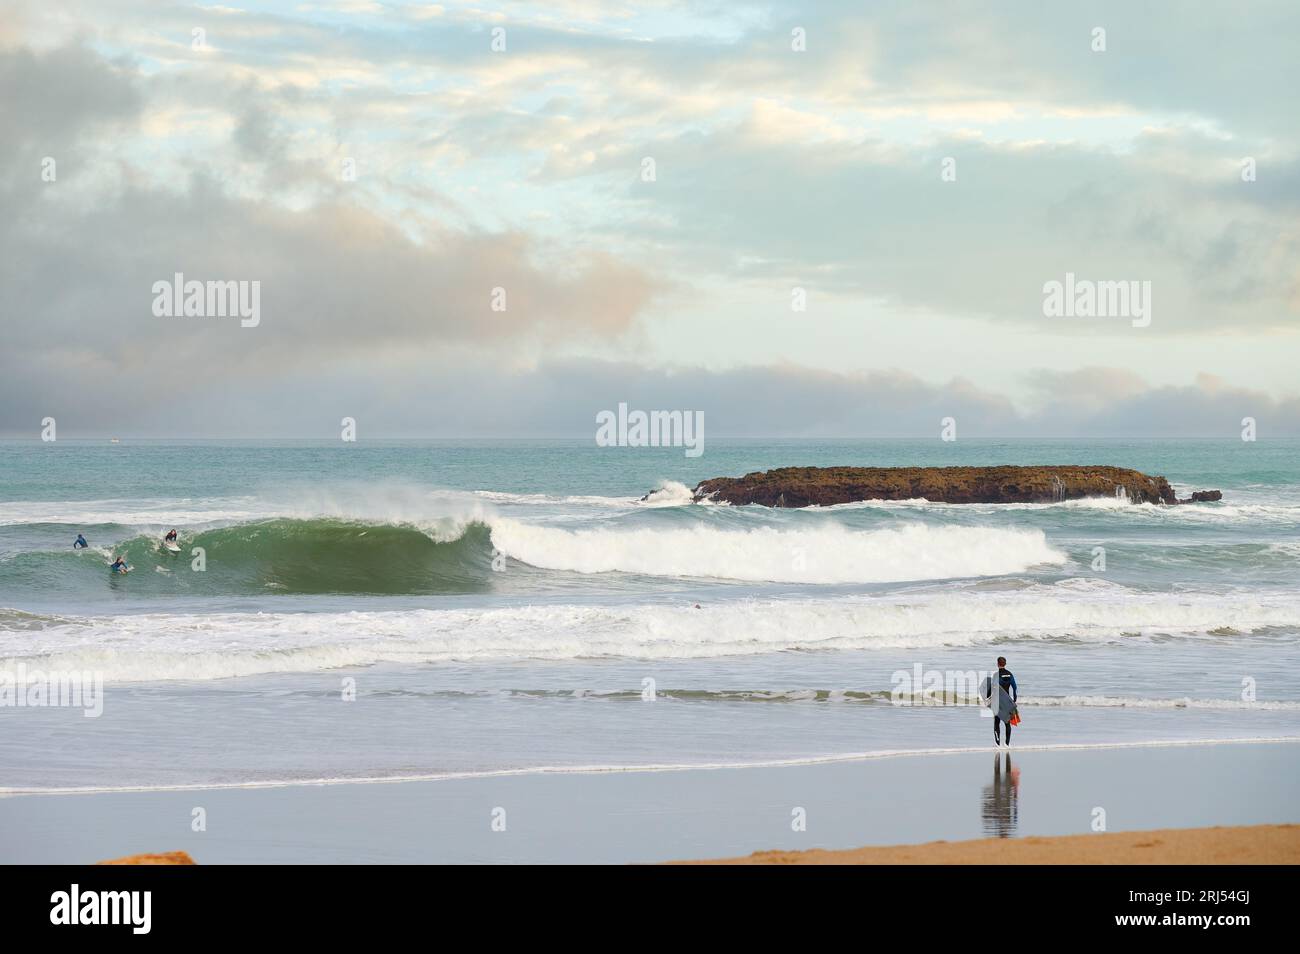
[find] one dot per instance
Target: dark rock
(824, 486)
(1203, 496)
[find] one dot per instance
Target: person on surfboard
(171, 537)
(1008, 683)
(119, 564)
(80, 543)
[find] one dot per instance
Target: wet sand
(1020, 801)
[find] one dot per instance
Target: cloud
(1205, 408)
(51, 94)
(459, 395)
(519, 170)
(340, 282)
(882, 223)
(336, 281)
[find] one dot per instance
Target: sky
(800, 219)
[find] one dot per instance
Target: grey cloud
(364, 301)
(336, 281)
(339, 282)
(876, 223)
(52, 98)
(467, 396)
(56, 104)
(1206, 408)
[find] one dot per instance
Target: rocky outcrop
(824, 486)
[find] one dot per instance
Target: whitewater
(424, 608)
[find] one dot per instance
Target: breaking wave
(831, 554)
(165, 646)
(455, 555)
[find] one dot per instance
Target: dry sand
(1258, 844)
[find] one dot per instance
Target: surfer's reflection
(998, 806)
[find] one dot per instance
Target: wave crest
(829, 555)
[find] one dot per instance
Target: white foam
(143, 514)
(669, 493)
(441, 515)
(1081, 503)
(556, 500)
(164, 646)
(828, 554)
(1193, 513)
(1124, 702)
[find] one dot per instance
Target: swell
(403, 554)
(316, 556)
(331, 555)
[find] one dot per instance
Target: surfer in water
(80, 543)
(171, 537)
(119, 564)
(1008, 683)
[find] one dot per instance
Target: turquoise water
(502, 604)
(92, 470)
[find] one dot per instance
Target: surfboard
(1000, 703)
(171, 547)
(125, 569)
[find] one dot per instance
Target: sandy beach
(1249, 845)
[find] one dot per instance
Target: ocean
(420, 609)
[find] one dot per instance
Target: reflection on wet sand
(998, 804)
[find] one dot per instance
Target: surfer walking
(1008, 683)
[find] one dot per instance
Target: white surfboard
(1001, 704)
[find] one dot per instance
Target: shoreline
(1218, 845)
(653, 768)
(662, 816)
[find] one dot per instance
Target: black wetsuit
(1008, 683)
